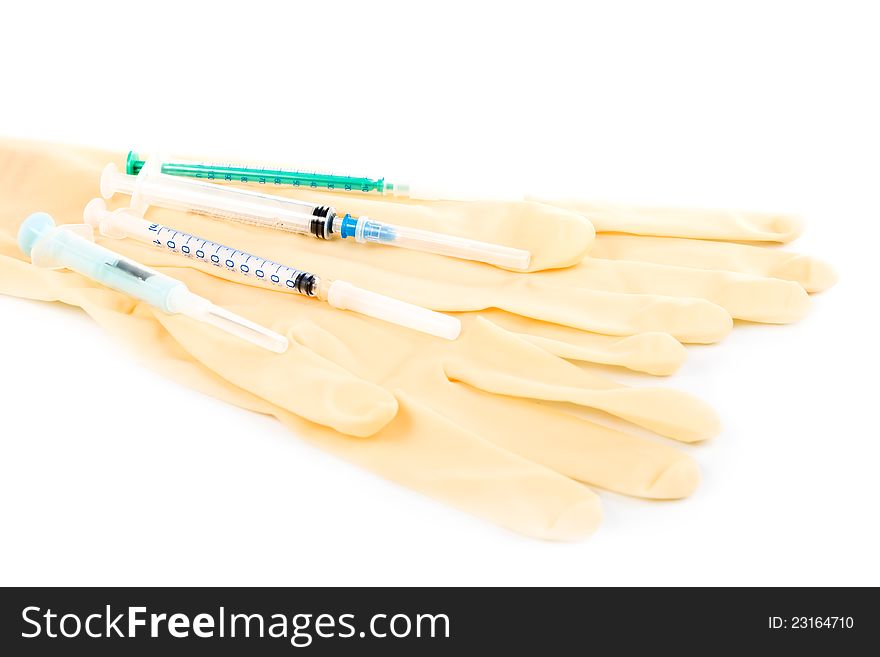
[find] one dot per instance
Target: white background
(765, 105)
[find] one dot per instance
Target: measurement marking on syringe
(232, 259)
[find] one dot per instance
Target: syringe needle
(245, 329)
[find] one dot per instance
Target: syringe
(339, 294)
(72, 247)
(319, 180)
(249, 173)
(152, 187)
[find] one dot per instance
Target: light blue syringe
(72, 247)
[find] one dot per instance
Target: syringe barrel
(298, 178)
(363, 229)
(58, 247)
(125, 222)
(240, 205)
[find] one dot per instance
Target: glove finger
(298, 380)
(708, 224)
(123, 318)
(577, 448)
(744, 296)
(689, 320)
(434, 456)
(493, 360)
(652, 353)
(318, 389)
(429, 453)
(812, 274)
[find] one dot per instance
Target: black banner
(249, 621)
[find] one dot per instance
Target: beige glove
(466, 429)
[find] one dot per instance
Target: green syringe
(244, 173)
(325, 181)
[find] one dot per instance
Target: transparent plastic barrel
(239, 205)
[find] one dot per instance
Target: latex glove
(466, 430)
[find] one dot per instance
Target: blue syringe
(152, 187)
